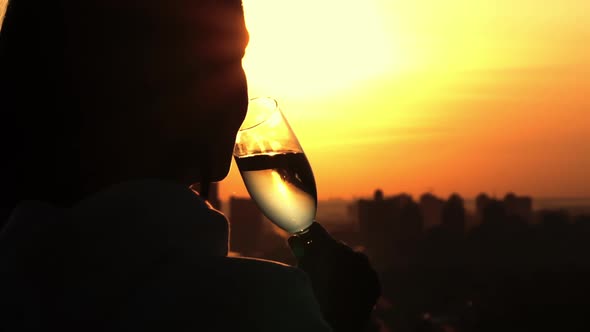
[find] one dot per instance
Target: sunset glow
(429, 96)
(289, 52)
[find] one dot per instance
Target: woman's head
(101, 91)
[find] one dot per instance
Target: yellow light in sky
(457, 95)
(317, 48)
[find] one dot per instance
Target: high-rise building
(519, 206)
(431, 207)
(481, 202)
(246, 226)
(453, 217)
(511, 206)
(214, 196)
(390, 227)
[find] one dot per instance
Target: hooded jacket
(143, 255)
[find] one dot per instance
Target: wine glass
(274, 167)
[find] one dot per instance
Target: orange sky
(429, 95)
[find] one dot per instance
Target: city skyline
(344, 211)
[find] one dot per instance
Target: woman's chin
(219, 173)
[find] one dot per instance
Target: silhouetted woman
(109, 111)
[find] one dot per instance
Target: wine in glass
(274, 167)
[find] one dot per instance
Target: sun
(310, 47)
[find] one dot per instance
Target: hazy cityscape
(509, 263)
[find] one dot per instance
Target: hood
(104, 246)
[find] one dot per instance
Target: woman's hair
(78, 76)
(73, 76)
(35, 123)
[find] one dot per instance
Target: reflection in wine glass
(274, 167)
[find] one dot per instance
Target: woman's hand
(344, 283)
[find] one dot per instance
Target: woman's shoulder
(248, 294)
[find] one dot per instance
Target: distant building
(481, 202)
(247, 228)
(352, 211)
(374, 214)
(390, 227)
(453, 217)
(431, 207)
(519, 206)
(511, 206)
(214, 196)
